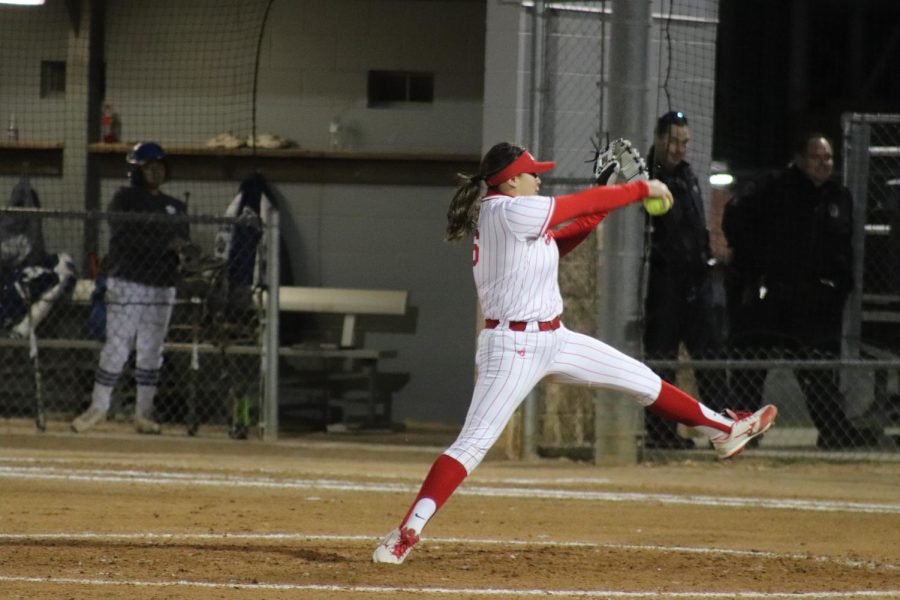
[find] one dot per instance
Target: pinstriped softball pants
(511, 363)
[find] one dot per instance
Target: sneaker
(746, 426)
(395, 546)
(88, 419)
(145, 425)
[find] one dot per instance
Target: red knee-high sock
(442, 480)
(675, 405)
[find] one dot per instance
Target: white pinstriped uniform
(515, 264)
(516, 260)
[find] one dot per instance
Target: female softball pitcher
(516, 256)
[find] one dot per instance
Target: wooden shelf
(300, 164)
(29, 145)
(290, 152)
(277, 164)
(23, 157)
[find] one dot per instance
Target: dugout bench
(323, 372)
(323, 367)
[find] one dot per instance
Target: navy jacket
(680, 238)
(138, 250)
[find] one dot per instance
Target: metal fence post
(530, 413)
(617, 422)
(269, 362)
(856, 178)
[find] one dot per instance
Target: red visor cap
(524, 164)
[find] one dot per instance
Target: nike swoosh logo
(418, 516)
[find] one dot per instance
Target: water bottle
(334, 134)
(12, 132)
(108, 125)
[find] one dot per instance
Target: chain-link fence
(165, 330)
(572, 88)
(871, 150)
(829, 360)
(849, 400)
(831, 397)
(872, 172)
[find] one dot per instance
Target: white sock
(421, 512)
(100, 399)
(712, 432)
(143, 405)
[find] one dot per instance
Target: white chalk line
(132, 476)
(435, 541)
(374, 589)
(257, 470)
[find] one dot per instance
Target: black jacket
(680, 238)
(784, 230)
(792, 255)
(139, 250)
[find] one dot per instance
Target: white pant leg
(584, 360)
(123, 311)
(509, 364)
(153, 326)
(151, 336)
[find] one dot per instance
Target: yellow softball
(657, 206)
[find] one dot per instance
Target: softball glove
(619, 162)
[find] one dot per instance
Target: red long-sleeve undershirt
(587, 208)
(568, 237)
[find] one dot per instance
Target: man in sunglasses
(678, 306)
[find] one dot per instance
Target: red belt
(522, 325)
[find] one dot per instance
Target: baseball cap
(673, 117)
(525, 163)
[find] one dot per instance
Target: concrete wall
(29, 36)
(317, 54)
(314, 61)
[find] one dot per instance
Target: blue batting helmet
(144, 152)
(141, 154)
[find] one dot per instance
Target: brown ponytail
(462, 216)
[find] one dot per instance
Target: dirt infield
(116, 515)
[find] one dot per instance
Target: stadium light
(721, 179)
(23, 2)
(719, 175)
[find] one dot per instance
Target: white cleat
(88, 419)
(746, 426)
(395, 546)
